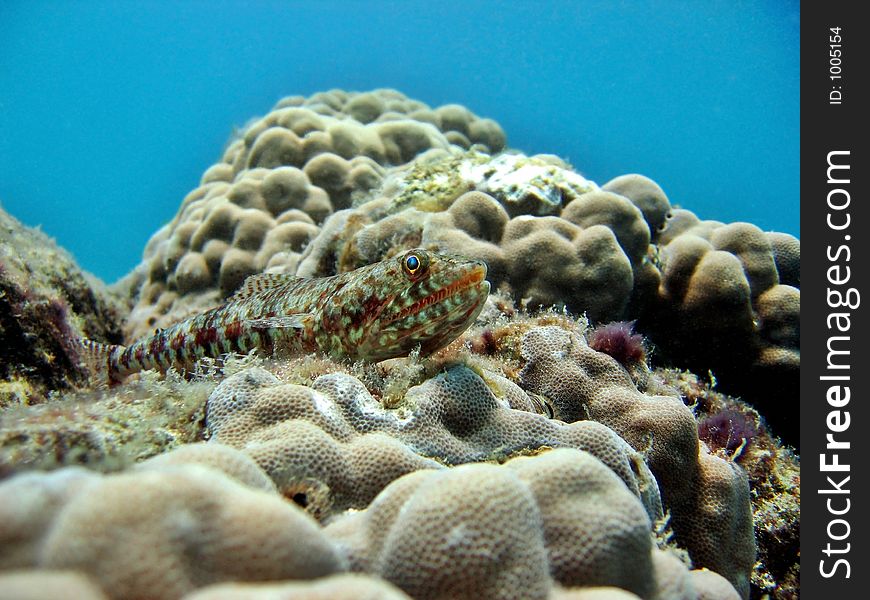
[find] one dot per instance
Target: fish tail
(103, 359)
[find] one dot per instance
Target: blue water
(110, 111)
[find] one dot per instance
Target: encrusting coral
(332, 446)
(543, 454)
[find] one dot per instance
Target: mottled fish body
(380, 311)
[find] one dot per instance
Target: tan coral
(749, 244)
(311, 190)
(592, 593)
(470, 532)
(618, 214)
(595, 532)
(712, 586)
(779, 309)
(132, 532)
(236, 464)
(705, 304)
(787, 256)
(551, 259)
(645, 194)
(350, 586)
(586, 259)
(44, 584)
(320, 441)
(29, 504)
(672, 576)
(708, 497)
(475, 530)
(480, 216)
(721, 308)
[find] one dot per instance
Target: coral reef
(46, 303)
(559, 515)
(558, 449)
(340, 180)
(708, 497)
(722, 289)
(263, 203)
(331, 446)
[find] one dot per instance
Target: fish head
(428, 300)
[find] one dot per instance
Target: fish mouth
(473, 278)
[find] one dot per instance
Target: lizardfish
(380, 311)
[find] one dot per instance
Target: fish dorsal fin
(293, 320)
(256, 284)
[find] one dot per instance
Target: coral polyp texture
(332, 446)
(564, 446)
(134, 533)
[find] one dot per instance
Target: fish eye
(414, 264)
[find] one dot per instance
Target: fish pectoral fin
(294, 321)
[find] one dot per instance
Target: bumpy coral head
(430, 299)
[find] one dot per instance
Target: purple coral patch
(619, 340)
(728, 429)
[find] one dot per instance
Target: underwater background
(110, 111)
(301, 387)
